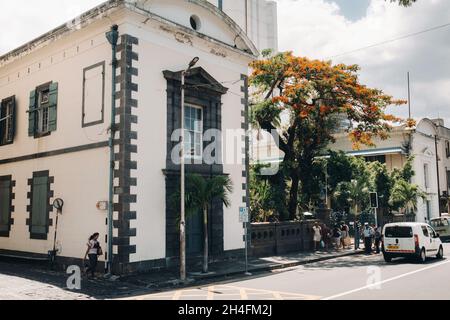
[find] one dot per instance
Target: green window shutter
(2, 123)
(5, 194)
(13, 122)
(39, 213)
(32, 114)
(52, 108)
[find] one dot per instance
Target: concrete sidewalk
(33, 280)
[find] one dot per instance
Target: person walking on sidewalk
(93, 251)
(378, 237)
(368, 234)
(317, 237)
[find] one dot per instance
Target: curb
(276, 266)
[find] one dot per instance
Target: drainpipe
(113, 37)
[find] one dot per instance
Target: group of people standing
(325, 238)
(372, 235)
(339, 237)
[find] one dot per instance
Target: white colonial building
(56, 98)
(429, 144)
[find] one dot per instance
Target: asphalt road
(348, 278)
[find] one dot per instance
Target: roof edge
(69, 26)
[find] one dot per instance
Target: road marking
(243, 293)
(210, 293)
(277, 296)
(177, 295)
(386, 281)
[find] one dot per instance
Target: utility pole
(409, 98)
(183, 177)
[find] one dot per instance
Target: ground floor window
(40, 207)
(428, 210)
(5, 205)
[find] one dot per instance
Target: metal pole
(246, 249)
(54, 239)
(112, 37)
(376, 217)
(437, 174)
(183, 214)
(409, 98)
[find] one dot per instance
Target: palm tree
(405, 195)
(201, 193)
(356, 192)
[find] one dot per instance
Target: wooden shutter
(32, 114)
(5, 201)
(39, 213)
(52, 106)
(13, 118)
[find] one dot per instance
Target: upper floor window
(193, 119)
(220, 4)
(42, 113)
(93, 94)
(426, 176)
(7, 120)
(447, 148)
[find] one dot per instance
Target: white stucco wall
(155, 43)
(81, 178)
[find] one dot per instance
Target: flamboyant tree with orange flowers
(302, 102)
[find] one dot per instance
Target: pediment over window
(197, 78)
(427, 152)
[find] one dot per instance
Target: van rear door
(399, 239)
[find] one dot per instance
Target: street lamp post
(183, 172)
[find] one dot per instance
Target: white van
(442, 226)
(411, 239)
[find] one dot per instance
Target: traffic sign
(243, 215)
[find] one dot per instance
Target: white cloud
(316, 28)
(24, 20)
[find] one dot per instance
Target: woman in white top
(317, 235)
(93, 251)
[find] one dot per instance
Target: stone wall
(268, 239)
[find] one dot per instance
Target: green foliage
(201, 191)
(404, 196)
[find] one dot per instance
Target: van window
(439, 223)
(399, 232)
(425, 231)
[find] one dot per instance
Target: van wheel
(422, 256)
(387, 258)
(440, 254)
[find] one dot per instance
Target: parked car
(411, 239)
(442, 226)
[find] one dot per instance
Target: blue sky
(352, 9)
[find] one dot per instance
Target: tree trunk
(206, 243)
(293, 197)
